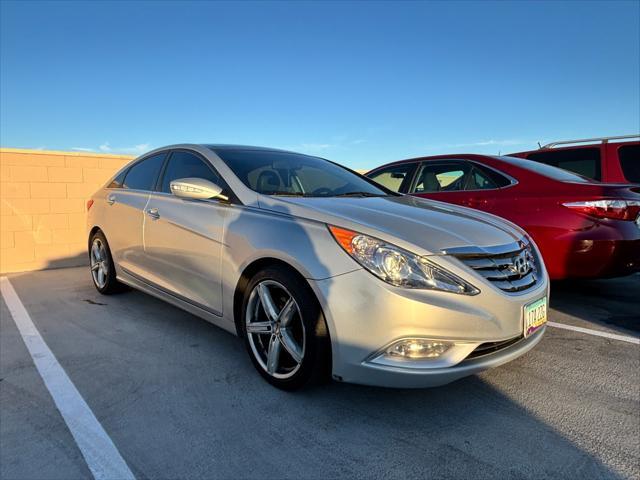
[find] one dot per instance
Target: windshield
(546, 170)
(292, 174)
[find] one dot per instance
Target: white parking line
(597, 333)
(101, 455)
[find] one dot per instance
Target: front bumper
(395, 377)
(365, 314)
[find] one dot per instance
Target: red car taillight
(614, 209)
(89, 204)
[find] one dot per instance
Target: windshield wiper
(359, 194)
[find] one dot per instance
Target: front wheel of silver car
(284, 329)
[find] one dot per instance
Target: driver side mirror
(196, 188)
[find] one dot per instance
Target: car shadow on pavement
(180, 398)
(611, 302)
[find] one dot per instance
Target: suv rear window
(583, 161)
(629, 156)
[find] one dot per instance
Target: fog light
(416, 348)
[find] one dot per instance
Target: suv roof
(589, 140)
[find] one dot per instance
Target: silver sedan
(322, 272)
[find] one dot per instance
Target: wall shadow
(78, 260)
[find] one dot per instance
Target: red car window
(395, 176)
(441, 177)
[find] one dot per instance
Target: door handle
(111, 199)
(153, 213)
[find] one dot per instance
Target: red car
(607, 159)
(583, 228)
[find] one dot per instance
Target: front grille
(512, 268)
(491, 347)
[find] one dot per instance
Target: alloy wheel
(99, 263)
(275, 329)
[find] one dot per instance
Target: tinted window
(283, 173)
(629, 156)
(546, 170)
(184, 165)
(439, 177)
(583, 161)
(118, 182)
(143, 175)
(392, 177)
(481, 178)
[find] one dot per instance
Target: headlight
(397, 266)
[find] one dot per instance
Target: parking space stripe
(597, 333)
(98, 450)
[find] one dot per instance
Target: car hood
(423, 226)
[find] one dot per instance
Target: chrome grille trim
(512, 268)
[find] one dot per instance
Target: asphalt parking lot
(180, 399)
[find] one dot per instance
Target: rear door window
(118, 181)
(629, 156)
(441, 177)
(143, 175)
(583, 161)
(394, 177)
(482, 178)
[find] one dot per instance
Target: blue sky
(359, 82)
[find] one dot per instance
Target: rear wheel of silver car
(284, 329)
(103, 271)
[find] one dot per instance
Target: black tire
(111, 284)
(315, 366)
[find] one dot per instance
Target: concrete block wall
(43, 198)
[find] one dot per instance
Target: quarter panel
(121, 223)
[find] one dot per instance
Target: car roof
(223, 146)
(453, 156)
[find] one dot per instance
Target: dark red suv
(607, 159)
(583, 228)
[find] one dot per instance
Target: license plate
(535, 315)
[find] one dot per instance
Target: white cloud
(315, 146)
(487, 143)
(308, 147)
(482, 144)
(336, 142)
(137, 149)
(107, 148)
